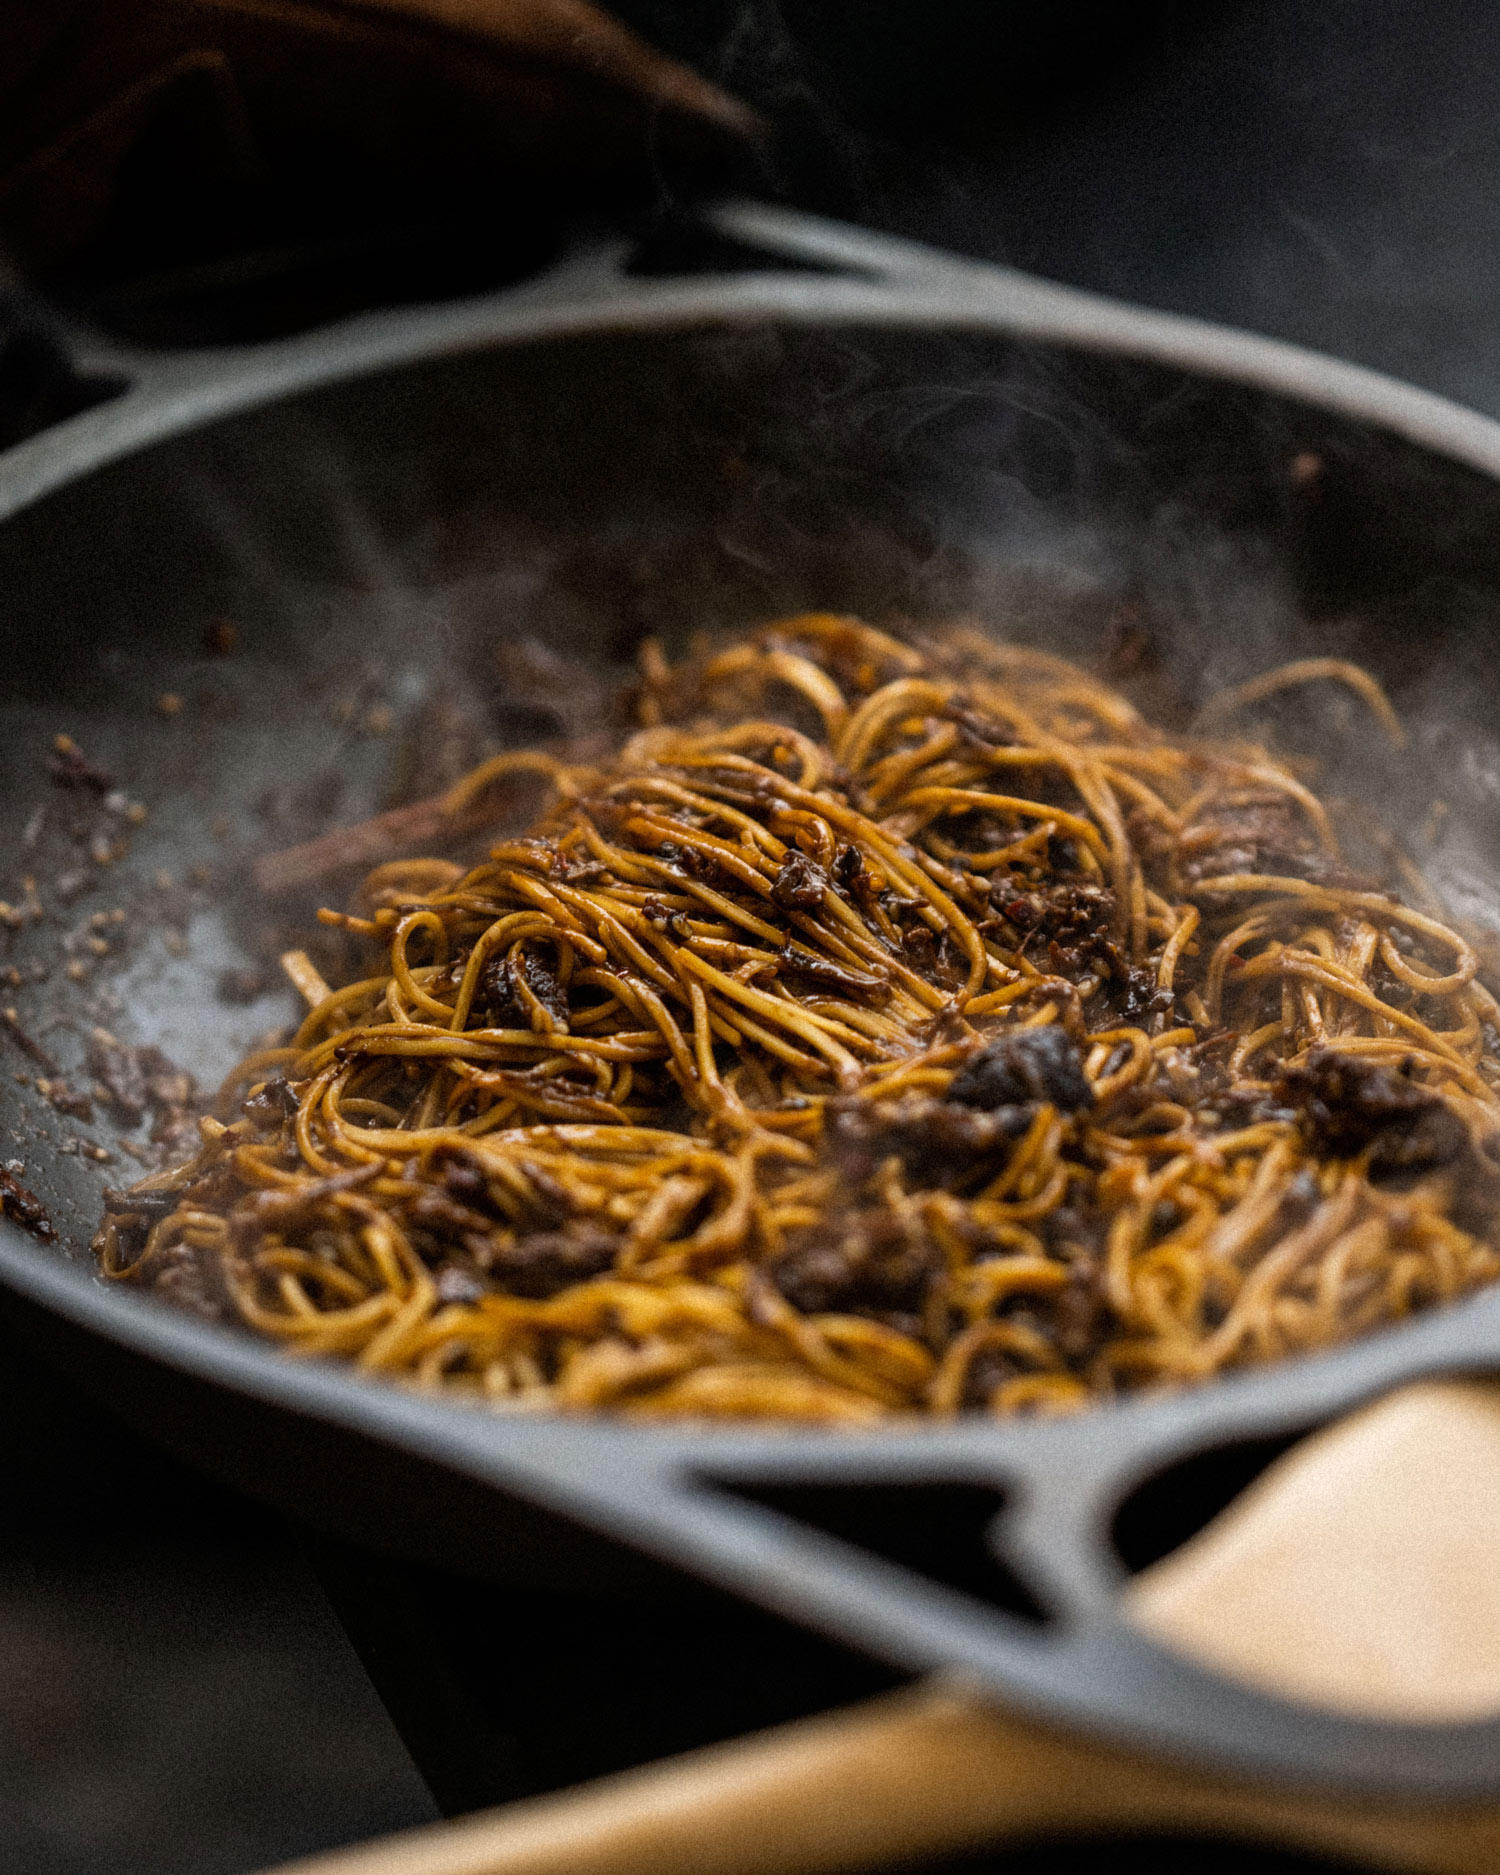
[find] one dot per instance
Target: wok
(830, 419)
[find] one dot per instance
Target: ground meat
(549, 1261)
(1024, 1065)
(1074, 1232)
(175, 1135)
(854, 879)
(1080, 1319)
(131, 1080)
(800, 884)
(698, 862)
(57, 1093)
(500, 992)
(1073, 924)
(575, 871)
(849, 869)
(1135, 996)
(662, 918)
(462, 1214)
(1239, 1107)
(1436, 1137)
(1261, 833)
(190, 1278)
(286, 1207)
(1154, 844)
(464, 1181)
(28, 1045)
(934, 1139)
(933, 955)
(1065, 913)
(445, 1219)
(864, 1265)
(1345, 1105)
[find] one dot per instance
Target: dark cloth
(141, 122)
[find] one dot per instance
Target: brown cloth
(396, 95)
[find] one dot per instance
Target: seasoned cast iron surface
(374, 543)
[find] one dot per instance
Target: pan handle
(121, 398)
(819, 273)
(1358, 1572)
(42, 381)
(914, 1775)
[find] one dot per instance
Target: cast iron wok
(847, 423)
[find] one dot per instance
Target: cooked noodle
(885, 1029)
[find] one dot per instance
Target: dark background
(176, 1692)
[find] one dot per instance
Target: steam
(588, 494)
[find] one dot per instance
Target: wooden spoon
(1358, 1573)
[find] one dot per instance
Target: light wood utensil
(1360, 1573)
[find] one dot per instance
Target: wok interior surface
(378, 541)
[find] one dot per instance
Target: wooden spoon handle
(1382, 1529)
(910, 1775)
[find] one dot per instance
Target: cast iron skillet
(841, 421)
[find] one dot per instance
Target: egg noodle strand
(887, 1028)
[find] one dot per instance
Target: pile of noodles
(649, 1111)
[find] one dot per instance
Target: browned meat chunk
(192, 1278)
(270, 1103)
(134, 1080)
(865, 1264)
(500, 991)
(1259, 834)
(800, 884)
(1070, 925)
(1063, 913)
(934, 1139)
(1345, 1104)
(550, 1260)
(23, 1207)
(1025, 1065)
(816, 973)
